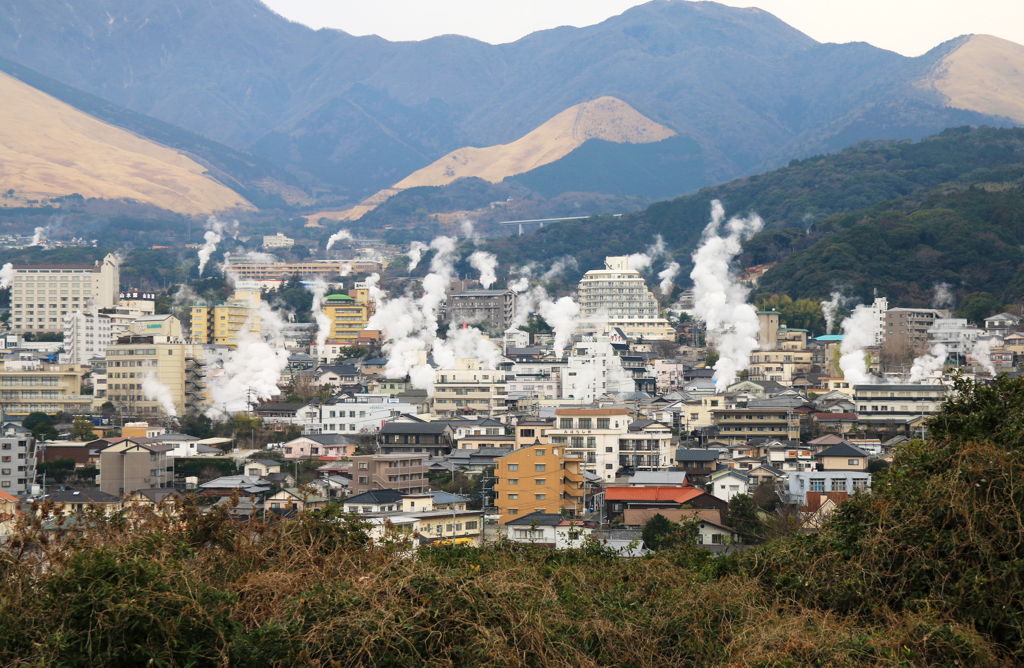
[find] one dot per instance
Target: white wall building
(469, 389)
(878, 309)
(351, 415)
(955, 334)
(42, 294)
(86, 335)
(593, 435)
(617, 296)
(278, 241)
(594, 369)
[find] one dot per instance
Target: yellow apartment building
(348, 316)
(221, 324)
(538, 478)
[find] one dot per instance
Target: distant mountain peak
(983, 73)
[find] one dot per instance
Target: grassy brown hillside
(49, 149)
(983, 74)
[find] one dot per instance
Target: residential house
(548, 530)
(338, 375)
(819, 508)
(538, 478)
(319, 446)
(376, 501)
(128, 464)
(1002, 323)
(70, 501)
(404, 473)
(697, 463)
(728, 482)
(294, 498)
(416, 437)
(469, 389)
(619, 500)
(802, 483)
(647, 446)
(842, 457)
(658, 479)
(261, 467)
(9, 514)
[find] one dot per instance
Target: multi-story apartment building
(879, 406)
(130, 307)
(647, 446)
(1002, 324)
(492, 309)
(907, 328)
(348, 315)
(354, 414)
(538, 478)
(404, 472)
(222, 324)
(595, 368)
(780, 365)
(955, 334)
(592, 434)
(617, 296)
(17, 460)
(86, 335)
(28, 385)
(737, 425)
(130, 464)
(162, 357)
(278, 241)
(285, 270)
(42, 294)
(469, 389)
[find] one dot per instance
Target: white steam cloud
(156, 391)
(929, 365)
(858, 334)
(340, 235)
(211, 238)
(6, 275)
(470, 233)
(416, 253)
(641, 261)
(37, 238)
(668, 278)
(485, 263)
(982, 354)
(561, 265)
(943, 297)
(720, 300)
(562, 316)
(323, 322)
(829, 310)
(522, 277)
(253, 370)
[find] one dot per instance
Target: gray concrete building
(493, 309)
(17, 460)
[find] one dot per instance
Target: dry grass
(984, 74)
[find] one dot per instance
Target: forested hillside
(798, 203)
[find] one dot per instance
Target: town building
(884, 406)
(402, 472)
(955, 334)
(595, 368)
(548, 530)
(348, 316)
(139, 364)
(28, 385)
(355, 414)
(737, 425)
(469, 389)
(907, 328)
(17, 460)
(327, 270)
(86, 335)
(617, 296)
(592, 434)
(492, 310)
(1002, 324)
(647, 446)
(319, 446)
(222, 324)
(129, 464)
(42, 294)
(416, 437)
(277, 241)
(538, 478)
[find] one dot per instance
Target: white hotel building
(42, 294)
(617, 296)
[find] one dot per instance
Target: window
(541, 481)
(608, 467)
(513, 511)
(839, 484)
(362, 480)
(608, 449)
(540, 453)
(603, 423)
(565, 423)
(513, 497)
(362, 466)
(538, 467)
(584, 423)
(470, 526)
(513, 481)
(716, 539)
(817, 484)
(540, 497)
(513, 467)
(853, 462)
(860, 484)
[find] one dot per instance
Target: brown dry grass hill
(605, 118)
(50, 149)
(983, 74)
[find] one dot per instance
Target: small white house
(728, 482)
(548, 530)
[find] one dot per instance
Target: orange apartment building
(538, 478)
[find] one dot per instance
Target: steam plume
(323, 322)
(928, 365)
(641, 261)
(37, 238)
(720, 300)
(560, 266)
(470, 233)
(982, 354)
(211, 238)
(829, 310)
(415, 253)
(6, 275)
(340, 235)
(523, 273)
(668, 278)
(858, 334)
(943, 297)
(561, 316)
(154, 390)
(485, 263)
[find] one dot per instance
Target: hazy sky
(910, 27)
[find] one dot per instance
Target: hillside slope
(750, 90)
(49, 149)
(985, 74)
(798, 196)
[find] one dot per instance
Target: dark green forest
(800, 201)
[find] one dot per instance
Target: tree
(45, 432)
(81, 429)
(743, 517)
(33, 419)
(711, 359)
(979, 305)
(660, 533)
(199, 426)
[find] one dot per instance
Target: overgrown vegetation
(926, 570)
